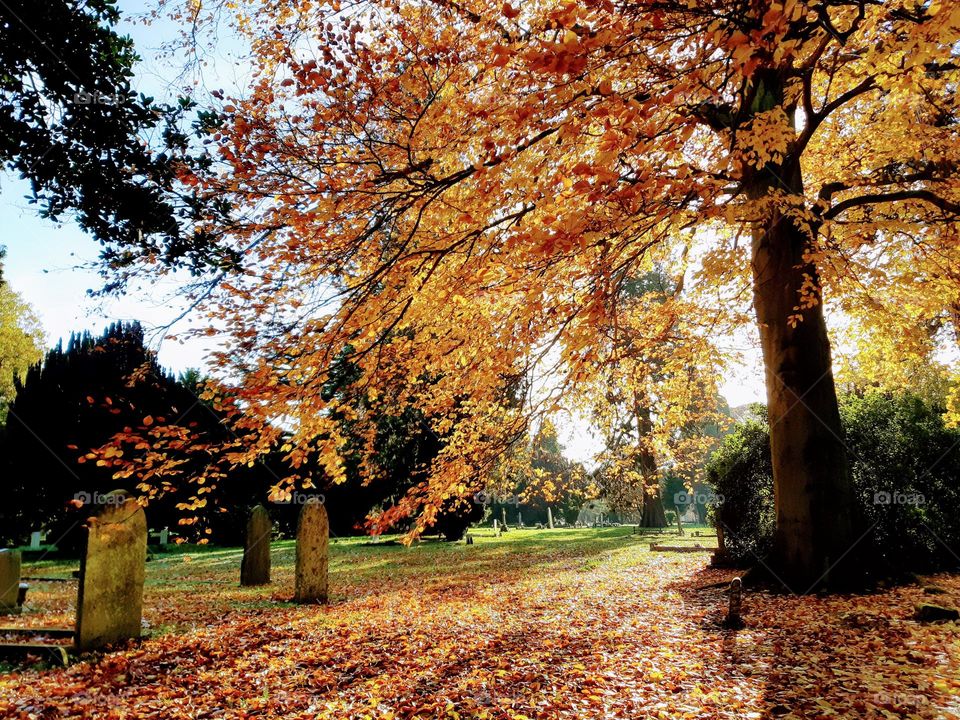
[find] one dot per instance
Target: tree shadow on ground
(838, 655)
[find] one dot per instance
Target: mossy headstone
(110, 598)
(9, 582)
(255, 566)
(313, 539)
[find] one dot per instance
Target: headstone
(495, 526)
(110, 599)
(9, 582)
(255, 566)
(549, 518)
(733, 619)
(503, 514)
(469, 539)
(519, 519)
(165, 536)
(36, 537)
(313, 534)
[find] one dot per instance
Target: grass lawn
(536, 624)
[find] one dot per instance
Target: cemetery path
(569, 624)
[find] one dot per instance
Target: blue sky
(49, 264)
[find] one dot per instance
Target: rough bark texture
(815, 511)
(652, 514)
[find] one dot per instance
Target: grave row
(112, 568)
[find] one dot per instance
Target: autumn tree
(21, 342)
(536, 475)
(491, 175)
(381, 469)
(75, 400)
(649, 406)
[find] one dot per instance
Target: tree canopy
(21, 342)
(483, 178)
(92, 148)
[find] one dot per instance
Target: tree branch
(877, 198)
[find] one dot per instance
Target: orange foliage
(463, 190)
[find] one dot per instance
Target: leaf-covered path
(569, 624)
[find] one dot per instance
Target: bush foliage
(904, 464)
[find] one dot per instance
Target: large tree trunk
(816, 518)
(652, 514)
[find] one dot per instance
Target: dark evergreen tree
(75, 401)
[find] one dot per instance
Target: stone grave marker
(255, 566)
(735, 603)
(36, 537)
(9, 582)
(313, 537)
(110, 598)
(549, 518)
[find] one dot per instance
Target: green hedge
(905, 467)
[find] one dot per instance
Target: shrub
(904, 465)
(741, 475)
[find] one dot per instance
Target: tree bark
(816, 518)
(652, 514)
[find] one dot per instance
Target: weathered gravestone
(735, 604)
(313, 534)
(36, 537)
(255, 566)
(9, 582)
(549, 518)
(110, 598)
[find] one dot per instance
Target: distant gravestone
(110, 598)
(549, 518)
(36, 537)
(255, 566)
(313, 535)
(9, 582)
